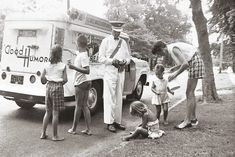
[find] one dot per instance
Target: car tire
(137, 93)
(95, 97)
(25, 105)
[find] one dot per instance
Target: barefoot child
(149, 127)
(55, 76)
(160, 89)
(82, 85)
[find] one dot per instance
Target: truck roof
(74, 16)
(36, 17)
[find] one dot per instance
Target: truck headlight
(4, 75)
(38, 73)
(32, 78)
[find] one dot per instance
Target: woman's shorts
(196, 67)
(82, 92)
(54, 96)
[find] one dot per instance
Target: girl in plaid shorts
(185, 57)
(55, 76)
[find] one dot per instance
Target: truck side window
(59, 36)
(94, 49)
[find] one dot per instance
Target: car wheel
(137, 93)
(94, 97)
(25, 105)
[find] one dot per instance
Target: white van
(26, 47)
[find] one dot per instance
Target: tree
(149, 20)
(166, 21)
(208, 83)
(28, 6)
(132, 12)
(223, 21)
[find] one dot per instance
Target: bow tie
(116, 38)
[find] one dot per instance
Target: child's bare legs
(158, 110)
(87, 117)
(86, 112)
(45, 123)
(55, 120)
(165, 113)
(77, 111)
(77, 115)
(136, 133)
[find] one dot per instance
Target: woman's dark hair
(158, 46)
(56, 54)
(138, 108)
(82, 41)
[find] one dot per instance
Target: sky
(96, 7)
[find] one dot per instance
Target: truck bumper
(29, 98)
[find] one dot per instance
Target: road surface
(20, 129)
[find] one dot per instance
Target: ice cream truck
(26, 48)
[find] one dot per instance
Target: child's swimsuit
(153, 130)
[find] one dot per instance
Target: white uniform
(113, 80)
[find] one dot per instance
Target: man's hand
(123, 62)
(115, 63)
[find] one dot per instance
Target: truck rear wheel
(137, 93)
(94, 97)
(25, 105)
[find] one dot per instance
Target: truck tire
(25, 105)
(95, 97)
(137, 93)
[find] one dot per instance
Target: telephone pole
(68, 4)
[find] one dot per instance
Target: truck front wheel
(25, 105)
(94, 97)
(137, 93)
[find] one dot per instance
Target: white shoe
(194, 122)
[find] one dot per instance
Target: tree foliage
(215, 51)
(223, 16)
(148, 21)
(223, 21)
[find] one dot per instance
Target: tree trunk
(233, 51)
(208, 83)
(232, 31)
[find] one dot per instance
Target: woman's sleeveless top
(187, 51)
